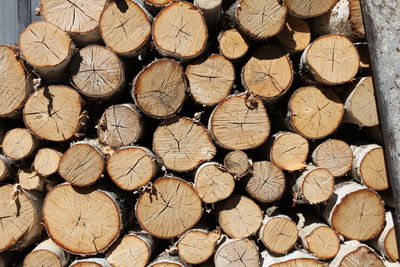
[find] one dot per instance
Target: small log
(334, 155)
(125, 27)
(309, 9)
(237, 163)
(295, 36)
(20, 217)
(266, 183)
(167, 260)
(268, 73)
(47, 253)
(6, 168)
(82, 221)
(295, 258)
(211, 80)
(159, 90)
(213, 182)
(132, 167)
(239, 122)
(180, 31)
(369, 167)
(170, 209)
(355, 211)
(54, 113)
(258, 19)
(120, 125)
(288, 151)
(239, 216)
(19, 143)
(232, 44)
(353, 253)
(91, 262)
(237, 253)
(211, 10)
(182, 144)
(82, 164)
(278, 233)
(386, 242)
(47, 48)
(330, 59)
(314, 112)
(30, 180)
(15, 82)
(46, 161)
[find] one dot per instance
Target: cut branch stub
(315, 112)
(19, 143)
(182, 144)
(46, 161)
(211, 80)
(171, 208)
(76, 218)
(237, 253)
(237, 163)
(310, 8)
(239, 122)
(232, 44)
(125, 27)
(15, 82)
(159, 90)
(47, 253)
(268, 73)
(54, 113)
(295, 36)
(180, 31)
(353, 253)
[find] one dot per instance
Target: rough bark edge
(270, 259)
(99, 261)
(347, 248)
(167, 258)
(379, 242)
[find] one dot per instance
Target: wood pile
(208, 133)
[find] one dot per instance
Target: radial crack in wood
(237, 253)
(46, 161)
(232, 44)
(19, 143)
(353, 253)
(310, 8)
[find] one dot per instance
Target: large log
(237, 253)
(47, 253)
(308, 9)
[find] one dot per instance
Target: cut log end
(295, 36)
(243, 251)
(19, 143)
(46, 161)
(47, 253)
(353, 252)
(237, 163)
(322, 241)
(390, 244)
(232, 44)
(91, 262)
(30, 180)
(356, 19)
(309, 9)
(295, 258)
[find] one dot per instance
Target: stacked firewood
(174, 133)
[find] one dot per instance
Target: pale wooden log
(237, 163)
(266, 183)
(211, 10)
(170, 209)
(311, 8)
(82, 221)
(167, 260)
(268, 73)
(295, 35)
(237, 253)
(297, 258)
(258, 19)
(239, 122)
(47, 253)
(355, 211)
(54, 113)
(6, 167)
(314, 112)
(47, 48)
(386, 242)
(211, 80)
(369, 167)
(30, 180)
(120, 125)
(278, 233)
(182, 144)
(213, 182)
(239, 216)
(334, 155)
(91, 262)
(16, 84)
(330, 59)
(180, 31)
(82, 164)
(159, 90)
(20, 217)
(46, 161)
(232, 44)
(19, 143)
(288, 151)
(353, 253)
(125, 27)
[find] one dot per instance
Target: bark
(46, 253)
(237, 253)
(312, 8)
(354, 253)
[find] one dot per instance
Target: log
(386, 242)
(80, 19)
(314, 112)
(120, 125)
(82, 164)
(19, 143)
(211, 80)
(159, 90)
(47, 253)
(91, 262)
(15, 82)
(258, 19)
(295, 258)
(211, 10)
(54, 113)
(239, 216)
(167, 260)
(266, 183)
(132, 167)
(309, 9)
(237, 253)
(182, 144)
(295, 35)
(6, 167)
(20, 217)
(334, 155)
(353, 253)
(170, 209)
(288, 151)
(125, 27)
(268, 73)
(213, 182)
(233, 45)
(155, 6)
(30, 180)
(239, 122)
(237, 163)
(47, 48)
(355, 211)
(46, 161)
(82, 221)
(369, 167)
(180, 31)
(330, 59)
